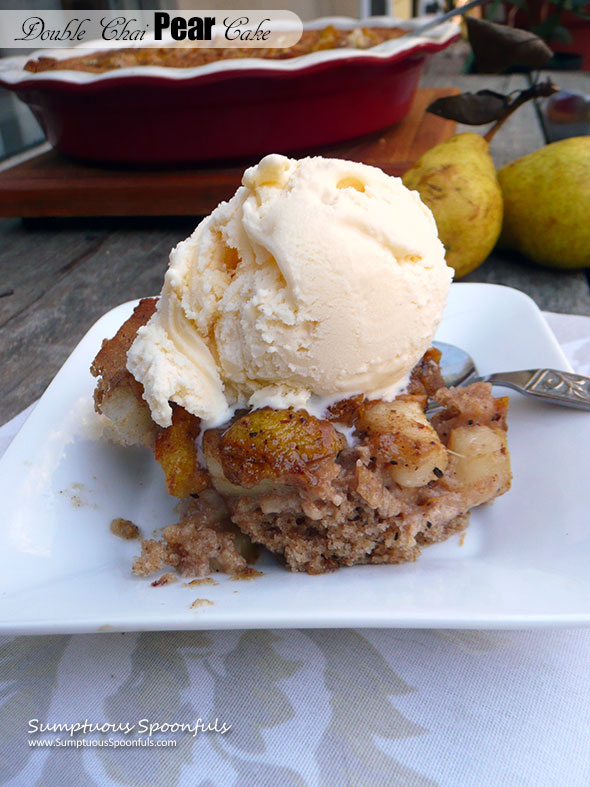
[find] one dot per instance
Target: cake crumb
(462, 539)
(75, 496)
(205, 581)
(247, 573)
(124, 528)
(153, 557)
(201, 602)
(165, 579)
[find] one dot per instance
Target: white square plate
(524, 560)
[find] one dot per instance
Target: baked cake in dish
(190, 57)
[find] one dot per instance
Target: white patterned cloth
(372, 707)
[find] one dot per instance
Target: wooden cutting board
(53, 185)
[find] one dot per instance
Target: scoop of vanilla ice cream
(319, 277)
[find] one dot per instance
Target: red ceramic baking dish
(228, 109)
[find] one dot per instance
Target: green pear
(457, 180)
(547, 204)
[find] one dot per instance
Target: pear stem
(538, 90)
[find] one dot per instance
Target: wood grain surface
(52, 185)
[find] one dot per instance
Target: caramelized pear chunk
(470, 406)
(276, 445)
(401, 436)
(211, 452)
(481, 456)
(176, 451)
(426, 377)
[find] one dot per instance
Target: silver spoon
(551, 385)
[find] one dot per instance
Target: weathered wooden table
(65, 274)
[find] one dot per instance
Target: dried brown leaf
(498, 47)
(472, 109)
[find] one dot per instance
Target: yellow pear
(457, 180)
(547, 204)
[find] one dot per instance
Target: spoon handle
(571, 390)
(460, 11)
